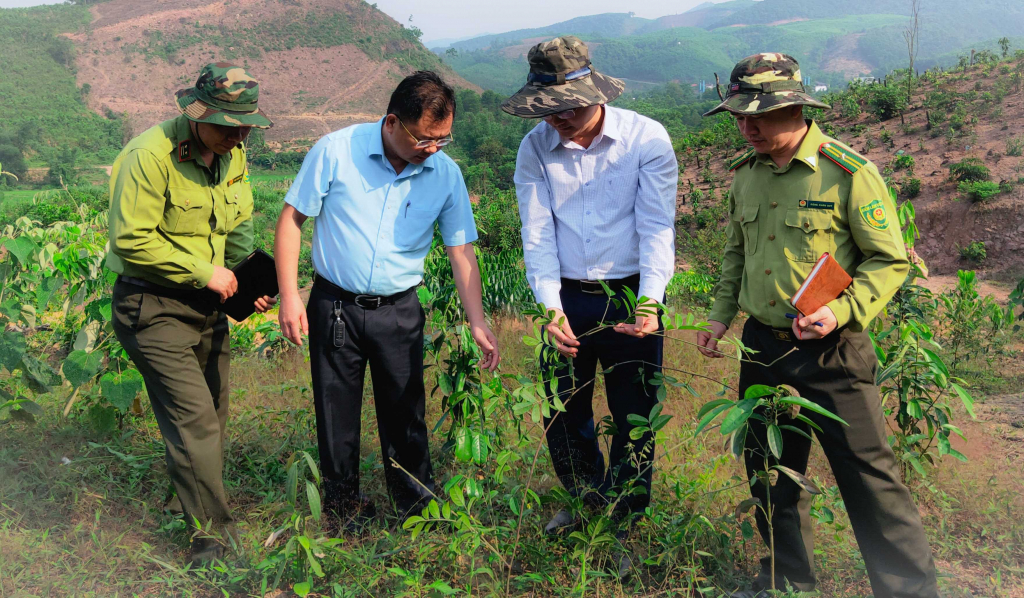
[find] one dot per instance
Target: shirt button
(772, 303)
(807, 224)
(187, 202)
(775, 204)
(771, 237)
(588, 212)
(741, 218)
(236, 196)
(768, 271)
(588, 240)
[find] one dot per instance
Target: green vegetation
(969, 170)
(973, 251)
(977, 191)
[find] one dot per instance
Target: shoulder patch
(843, 156)
(184, 151)
(874, 215)
(741, 159)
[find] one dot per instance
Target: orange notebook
(825, 282)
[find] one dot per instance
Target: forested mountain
(834, 42)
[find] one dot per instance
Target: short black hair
(422, 91)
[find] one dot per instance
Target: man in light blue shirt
(376, 191)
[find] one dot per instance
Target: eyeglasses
(425, 143)
(564, 115)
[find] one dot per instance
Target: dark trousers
(390, 339)
(837, 373)
(572, 437)
(183, 350)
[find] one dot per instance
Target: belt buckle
(376, 301)
(783, 335)
(592, 283)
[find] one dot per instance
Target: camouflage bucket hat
(225, 94)
(765, 82)
(561, 79)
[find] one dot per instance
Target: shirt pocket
(746, 217)
(808, 234)
(236, 198)
(415, 228)
(184, 211)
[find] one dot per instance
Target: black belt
(363, 301)
(184, 294)
(593, 287)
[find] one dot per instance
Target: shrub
(888, 101)
(1015, 146)
(973, 251)
(969, 170)
(979, 190)
(903, 162)
(912, 187)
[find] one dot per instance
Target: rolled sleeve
(656, 212)
(136, 210)
(540, 250)
(455, 221)
(313, 181)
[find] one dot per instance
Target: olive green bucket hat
(225, 94)
(765, 82)
(561, 78)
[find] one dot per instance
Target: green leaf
(302, 589)
(21, 248)
(12, 348)
(479, 446)
(636, 420)
(808, 405)
(775, 440)
(711, 415)
(746, 505)
(121, 389)
(638, 432)
(965, 398)
(38, 375)
(434, 510)
(86, 338)
(80, 367)
(707, 407)
(473, 488)
(800, 479)
(442, 587)
(313, 469)
(738, 415)
(756, 391)
(45, 290)
(463, 451)
(291, 485)
(313, 496)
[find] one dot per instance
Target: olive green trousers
(182, 348)
(837, 373)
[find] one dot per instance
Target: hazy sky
(464, 18)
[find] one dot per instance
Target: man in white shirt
(597, 198)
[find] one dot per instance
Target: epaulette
(845, 157)
(741, 159)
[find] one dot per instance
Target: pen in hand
(794, 316)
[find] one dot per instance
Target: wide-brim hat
(561, 78)
(765, 82)
(225, 94)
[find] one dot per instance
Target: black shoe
(205, 551)
(348, 517)
(624, 560)
(563, 522)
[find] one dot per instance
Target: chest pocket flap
(808, 234)
(746, 216)
(184, 211)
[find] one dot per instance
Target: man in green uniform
(797, 194)
(180, 218)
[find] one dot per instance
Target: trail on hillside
(357, 88)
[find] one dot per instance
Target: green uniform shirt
(783, 219)
(172, 219)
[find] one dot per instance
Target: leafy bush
(903, 162)
(979, 190)
(969, 169)
(973, 251)
(912, 187)
(1015, 146)
(888, 101)
(497, 218)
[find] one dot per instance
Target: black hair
(419, 93)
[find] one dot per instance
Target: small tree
(1004, 45)
(910, 36)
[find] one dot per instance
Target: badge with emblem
(874, 215)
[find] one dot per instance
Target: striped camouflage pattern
(225, 94)
(845, 157)
(765, 70)
(561, 56)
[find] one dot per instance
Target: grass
(93, 524)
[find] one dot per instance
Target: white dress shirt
(599, 213)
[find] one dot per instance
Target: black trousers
(572, 437)
(837, 373)
(390, 340)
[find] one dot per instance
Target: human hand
(646, 321)
(292, 317)
(565, 340)
(805, 330)
(264, 303)
(488, 344)
(223, 283)
(707, 342)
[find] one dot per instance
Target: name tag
(817, 205)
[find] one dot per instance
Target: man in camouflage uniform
(797, 194)
(180, 218)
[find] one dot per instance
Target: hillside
(834, 42)
(110, 70)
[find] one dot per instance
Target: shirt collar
(184, 146)
(376, 148)
(806, 153)
(609, 129)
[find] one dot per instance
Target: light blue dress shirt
(374, 226)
